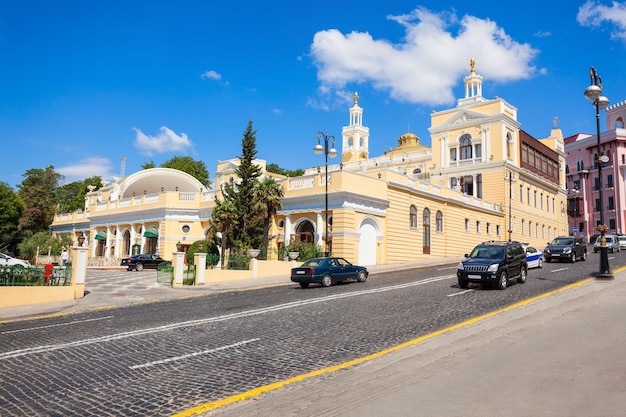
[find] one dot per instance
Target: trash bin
(49, 268)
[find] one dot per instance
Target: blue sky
(85, 83)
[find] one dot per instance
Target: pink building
(582, 180)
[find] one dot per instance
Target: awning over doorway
(151, 232)
(100, 236)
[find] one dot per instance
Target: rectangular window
(609, 181)
(488, 228)
(521, 194)
(597, 206)
(497, 230)
(477, 226)
(478, 149)
(612, 224)
(581, 226)
(453, 154)
(467, 225)
(596, 183)
(611, 203)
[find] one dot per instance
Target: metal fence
(165, 274)
(34, 276)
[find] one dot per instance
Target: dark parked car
(567, 248)
(325, 271)
(494, 263)
(139, 262)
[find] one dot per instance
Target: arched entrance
(368, 232)
(305, 232)
(125, 244)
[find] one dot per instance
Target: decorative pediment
(463, 117)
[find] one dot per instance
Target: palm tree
(222, 221)
(267, 195)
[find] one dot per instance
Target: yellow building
(483, 179)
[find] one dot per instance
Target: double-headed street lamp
(332, 152)
(600, 102)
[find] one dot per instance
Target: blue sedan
(325, 271)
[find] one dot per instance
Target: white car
(6, 260)
(622, 241)
(534, 258)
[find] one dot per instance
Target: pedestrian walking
(64, 256)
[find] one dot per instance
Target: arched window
(465, 145)
(439, 221)
(426, 231)
(413, 217)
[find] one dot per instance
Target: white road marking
(559, 270)
(192, 355)
(459, 293)
(55, 325)
(199, 322)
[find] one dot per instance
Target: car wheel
(573, 259)
(584, 255)
(304, 285)
(548, 260)
(139, 267)
(504, 280)
(463, 283)
(326, 281)
(361, 277)
(540, 263)
(522, 276)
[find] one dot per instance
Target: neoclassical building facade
(583, 182)
(483, 178)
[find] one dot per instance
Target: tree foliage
(281, 171)
(196, 169)
(37, 191)
(11, 208)
(246, 231)
(71, 197)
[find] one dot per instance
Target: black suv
(495, 263)
(569, 248)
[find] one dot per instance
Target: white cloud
(165, 141)
(85, 168)
(426, 66)
(594, 15)
(212, 75)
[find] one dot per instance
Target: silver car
(612, 244)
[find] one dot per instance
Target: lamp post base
(605, 271)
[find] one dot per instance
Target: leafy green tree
(37, 191)
(148, 165)
(267, 195)
(247, 227)
(71, 197)
(45, 243)
(281, 171)
(196, 169)
(11, 207)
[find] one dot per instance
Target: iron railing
(17, 275)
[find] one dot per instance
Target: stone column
(79, 271)
(199, 260)
(178, 262)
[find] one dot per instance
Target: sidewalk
(101, 290)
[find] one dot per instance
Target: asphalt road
(170, 357)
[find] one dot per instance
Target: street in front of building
(168, 357)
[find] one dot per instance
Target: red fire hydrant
(48, 273)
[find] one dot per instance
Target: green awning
(100, 236)
(151, 233)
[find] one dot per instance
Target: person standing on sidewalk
(64, 256)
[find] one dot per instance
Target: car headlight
(493, 268)
(460, 267)
(567, 250)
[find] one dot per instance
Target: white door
(367, 244)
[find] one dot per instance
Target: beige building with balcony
(483, 178)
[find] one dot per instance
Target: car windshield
(562, 241)
(488, 252)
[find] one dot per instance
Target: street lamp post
(510, 174)
(332, 152)
(600, 102)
